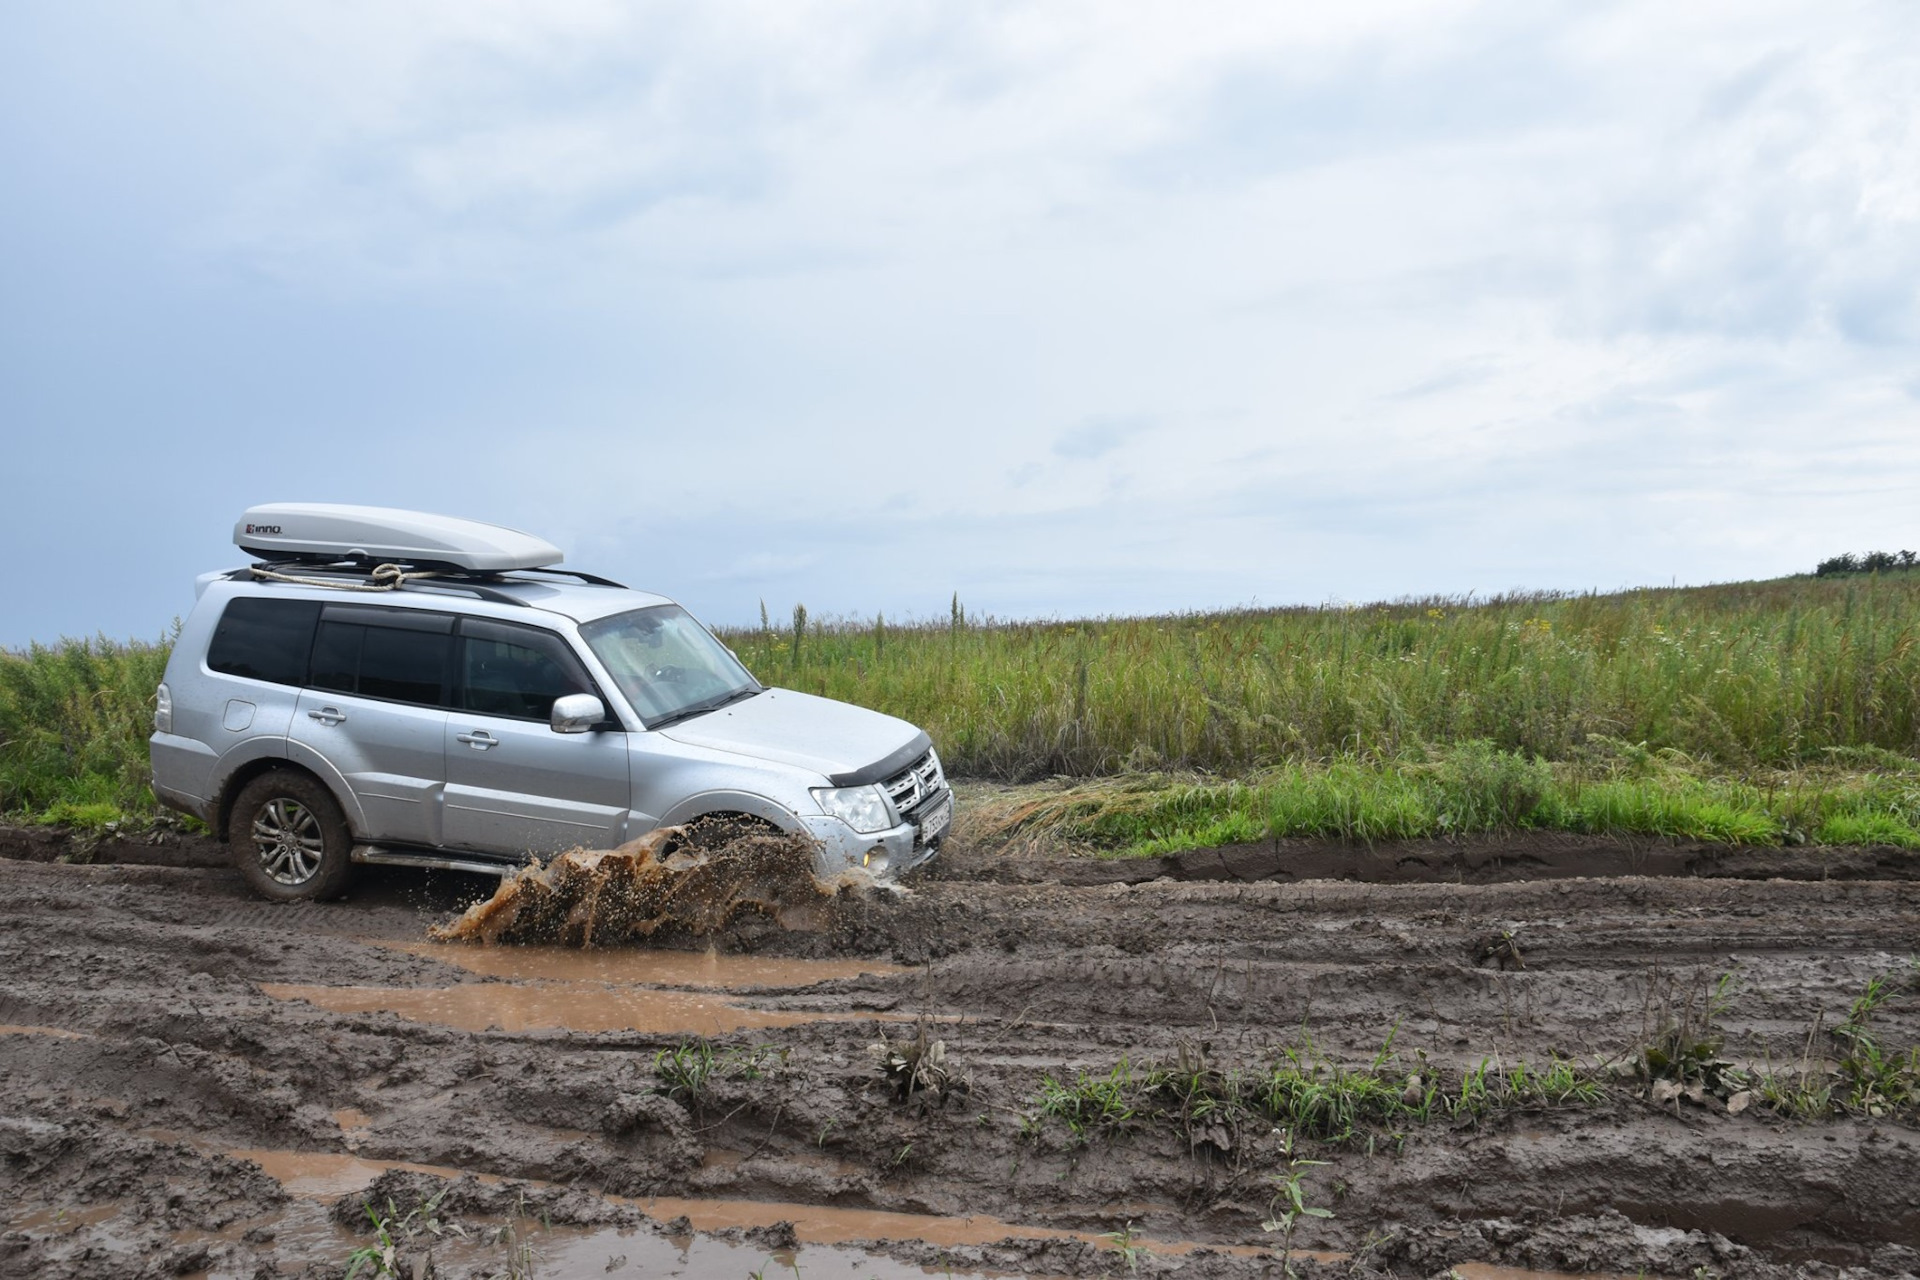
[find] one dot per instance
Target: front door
(514, 786)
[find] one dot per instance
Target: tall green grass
(1768, 673)
(74, 720)
(1751, 712)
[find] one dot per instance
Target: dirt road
(198, 1082)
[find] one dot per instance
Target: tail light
(163, 710)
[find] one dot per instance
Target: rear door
(376, 707)
(513, 784)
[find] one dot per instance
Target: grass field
(1764, 712)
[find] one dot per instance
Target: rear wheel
(289, 838)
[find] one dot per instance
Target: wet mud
(199, 1082)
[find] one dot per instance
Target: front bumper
(883, 854)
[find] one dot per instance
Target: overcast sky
(1073, 308)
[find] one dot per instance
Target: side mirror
(576, 713)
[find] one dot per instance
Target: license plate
(937, 820)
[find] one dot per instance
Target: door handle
(479, 739)
(328, 715)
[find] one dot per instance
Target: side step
(373, 853)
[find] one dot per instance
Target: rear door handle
(479, 739)
(328, 715)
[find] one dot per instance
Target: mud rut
(166, 1115)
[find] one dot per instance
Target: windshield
(668, 666)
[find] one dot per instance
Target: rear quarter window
(264, 639)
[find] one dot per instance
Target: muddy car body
(385, 686)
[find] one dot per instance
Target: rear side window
(516, 671)
(264, 639)
(404, 657)
(407, 666)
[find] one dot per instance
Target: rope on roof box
(384, 577)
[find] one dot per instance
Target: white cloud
(1095, 305)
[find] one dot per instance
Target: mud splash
(672, 877)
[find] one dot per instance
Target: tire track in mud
(162, 969)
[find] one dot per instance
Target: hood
(848, 745)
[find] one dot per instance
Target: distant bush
(1871, 562)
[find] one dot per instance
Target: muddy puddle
(308, 1234)
(810, 1234)
(594, 989)
(614, 966)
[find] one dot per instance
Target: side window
(264, 639)
(404, 656)
(336, 657)
(515, 671)
(407, 666)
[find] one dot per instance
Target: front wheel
(289, 838)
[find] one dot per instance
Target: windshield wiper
(701, 708)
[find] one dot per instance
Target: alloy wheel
(288, 841)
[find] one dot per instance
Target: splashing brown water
(699, 880)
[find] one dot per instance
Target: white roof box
(328, 531)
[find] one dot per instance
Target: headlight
(862, 808)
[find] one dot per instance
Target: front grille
(916, 784)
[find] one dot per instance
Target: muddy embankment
(202, 1083)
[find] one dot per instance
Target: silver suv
(393, 687)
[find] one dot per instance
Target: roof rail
(593, 580)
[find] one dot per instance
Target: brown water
(630, 965)
(61, 1033)
(324, 1175)
(478, 1006)
(304, 1234)
(327, 1174)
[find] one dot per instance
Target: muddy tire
(289, 838)
(714, 832)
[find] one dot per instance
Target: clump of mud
(700, 881)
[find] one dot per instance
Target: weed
(392, 1231)
(1680, 1024)
(1126, 1243)
(1876, 1080)
(917, 1068)
(1288, 1205)
(687, 1071)
(1301, 1094)
(1091, 1104)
